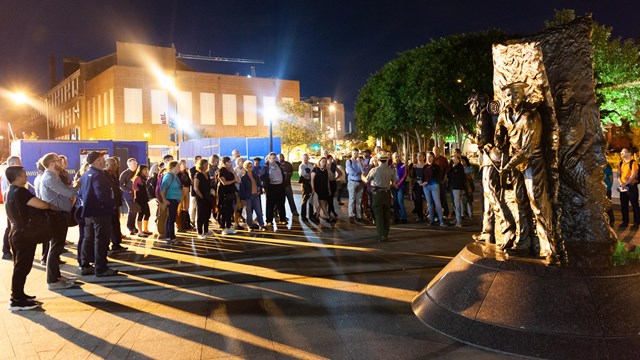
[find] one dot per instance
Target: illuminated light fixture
(19, 98)
(146, 135)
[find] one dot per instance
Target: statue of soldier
(524, 130)
(484, 138)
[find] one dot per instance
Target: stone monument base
(589, 309)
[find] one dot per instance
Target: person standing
(608, 181)
(287, 170)
(398, 191)
(214, 169)
(458, 181)
(320, 188)
(238, 206)
(256, 165)
(192, 199)
(204, 198)
(273, 179)
(250, 191)
(334, 173)
(161, 215)
(304, 170)
(125, 184)
(227, 180)
(443, 167)
(141, 197)
(183, 221)
(6, 245)
(417, 192)
(111, 170)
(18, 200)
(431, 186)
(170, 195)
(61, 198)
(355, 168)
(381, 178)
(628, 179)
(97, 193)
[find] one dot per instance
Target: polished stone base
(520, 306)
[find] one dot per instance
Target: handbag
(39, 226)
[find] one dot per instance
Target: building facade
(330, 115)
(132, 94)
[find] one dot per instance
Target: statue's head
(476, 102)
(514, 94)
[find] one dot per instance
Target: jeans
(306, 199)
(172, 214)
(23, 254)
(203, 213)
(458, 205)
(97, 232)
(56, 246)
(626, 197)
(288, 192)
(254, 204)
(432, 193)
(131, 216)
(355, 198)
(81, 224)
(116, 232)
(399, 212)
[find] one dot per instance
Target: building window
(269, 109)
(250, 110)
(207, 109)
(185, 106)
(112, 111)
(132, 106)
(229, 110)
(159, 105)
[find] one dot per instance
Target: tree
(294, 128)
(616, 65)
(421, 94)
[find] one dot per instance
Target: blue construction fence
(248, 147)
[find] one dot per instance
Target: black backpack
(151, 186)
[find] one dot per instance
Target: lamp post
(21, 98)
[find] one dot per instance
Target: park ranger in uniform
(381, 178)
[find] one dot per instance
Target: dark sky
(331, 47)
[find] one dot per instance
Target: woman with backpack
(170, 196)
(141, 197)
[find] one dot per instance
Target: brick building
(124, 95)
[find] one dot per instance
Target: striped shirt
(55, 192)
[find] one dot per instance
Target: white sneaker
(202, 236)
(60, 285)
(225, 231)
(231, 231)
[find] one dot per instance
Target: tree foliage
(294, 128)
(617, 72)
(423, 90)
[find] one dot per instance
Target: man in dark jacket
(97, 193)
(126, 188)
(287, 169)
(272, 177)
(111, 170)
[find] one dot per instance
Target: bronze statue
(494, 208)
(524, 127)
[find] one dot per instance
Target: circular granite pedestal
(587, 310)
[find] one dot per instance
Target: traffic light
(172, 137)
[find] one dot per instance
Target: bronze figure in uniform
(524, 128)
(484, 139)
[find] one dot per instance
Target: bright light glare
(332, 107)
(146, 135)
(19, 98)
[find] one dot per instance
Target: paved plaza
(303, 291)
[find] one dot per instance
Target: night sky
(331, 47)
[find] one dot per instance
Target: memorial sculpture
(545, 185)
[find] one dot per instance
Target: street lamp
(22, 98)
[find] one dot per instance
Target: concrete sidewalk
(303, 291)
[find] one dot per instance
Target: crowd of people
(226, 194)
(223, 192)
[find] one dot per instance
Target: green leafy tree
(423, 90)
(616, 65)
(294, 128)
